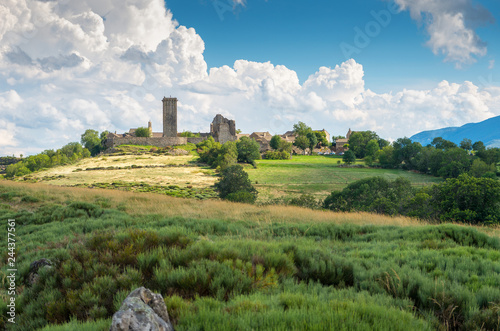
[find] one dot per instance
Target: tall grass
(230, 266)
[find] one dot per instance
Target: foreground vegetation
(229, 266)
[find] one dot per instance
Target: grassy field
(274, 179)
(229, 266)
(148, 168)
(317, 175)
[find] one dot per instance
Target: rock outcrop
(142, 310)
(35, 266)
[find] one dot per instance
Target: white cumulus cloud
(106, 65)
(450, 25)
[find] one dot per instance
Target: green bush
(234, 179)
(277, 155)
(241, 196)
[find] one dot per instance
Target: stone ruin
(221, 129)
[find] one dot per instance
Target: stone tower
(169, 117)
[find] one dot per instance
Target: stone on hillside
(35, 266)
(142, 310)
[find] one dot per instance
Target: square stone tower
(169, 117)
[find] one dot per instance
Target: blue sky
(68, 66)
(304, 35)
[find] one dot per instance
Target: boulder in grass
(142, 310)
(35, 267)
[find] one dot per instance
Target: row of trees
(222, 156)
(92, 143)
(68, 154)
(463, 199)
(441, 158)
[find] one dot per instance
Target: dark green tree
(301, 129)
(313, 140)
(302, 142)
(275, 142)
(91, 140)
(233, 180)
(248, 150)
(443, 144)
(468, 199)
(349, 157)
(466, 144)
(478, 146)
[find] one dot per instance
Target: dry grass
(195, 176)
(147, 203)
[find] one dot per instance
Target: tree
(286, 146)
(227, 156)
(455, 162)
(468, 199)
(443, 144)
(478, 146)
(405, 151)
(490, 155)
(321, 138)
(90, 139)
(301, 129)
(233, 180)
(374, 194)
(248, 150)
(466, 144)
(349, 157)
(142, 132)
(313, 140)
(480, 168)
(358, 141)
(302, 142)
(372, 148)
(275, 142)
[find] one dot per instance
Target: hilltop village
(221, 129)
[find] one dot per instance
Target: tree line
(92, 145)
(464, 199)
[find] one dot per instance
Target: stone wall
(196, 140)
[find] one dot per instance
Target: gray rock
(142, 310)
(35, 267)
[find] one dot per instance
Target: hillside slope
(487, 131)
(229, 266)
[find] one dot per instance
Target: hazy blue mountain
(487, 131)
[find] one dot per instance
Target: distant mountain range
(487, 131)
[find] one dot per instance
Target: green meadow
(229, 266)
(318, 175)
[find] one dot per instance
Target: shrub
(241, 196)
(234, 179)
(142, 132)
(349, 157)
(277, 155)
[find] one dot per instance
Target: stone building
(221, 129)
(340, 143)
(169, 117)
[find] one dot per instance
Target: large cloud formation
(449, 24)
(66, 66)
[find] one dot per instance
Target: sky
(396, 67)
